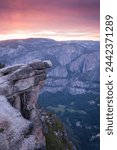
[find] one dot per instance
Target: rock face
(20, 125)
(55, 133)
(76, 63)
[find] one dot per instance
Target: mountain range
(72, 87)
(76, 66)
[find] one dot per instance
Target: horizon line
(11, 39)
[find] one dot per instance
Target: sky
(55, 19)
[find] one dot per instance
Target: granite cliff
(75, 63)
(20, 124)
(72, 84)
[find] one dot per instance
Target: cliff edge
(20, 125)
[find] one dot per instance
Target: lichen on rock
(55, 133)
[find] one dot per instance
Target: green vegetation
(76, 108)
(1, 65)
(55, 136)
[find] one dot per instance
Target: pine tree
(2, 65)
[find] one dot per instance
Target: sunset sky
(56, 19)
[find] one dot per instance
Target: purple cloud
(59, 15)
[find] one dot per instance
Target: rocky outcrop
(55, 133)
(20, 125)
(75, 62)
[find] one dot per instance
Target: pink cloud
(54, 15)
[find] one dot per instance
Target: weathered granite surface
(20, 125)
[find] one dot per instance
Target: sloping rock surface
(20, 125)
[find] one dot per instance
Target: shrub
(2, 65)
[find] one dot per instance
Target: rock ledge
(20, 125)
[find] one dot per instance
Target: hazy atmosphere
(50, 74)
